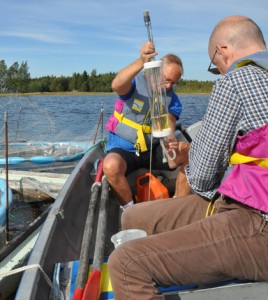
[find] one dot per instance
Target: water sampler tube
(157, 95)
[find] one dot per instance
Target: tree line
(17, 79)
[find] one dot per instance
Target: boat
(25, 187)
(4, 192)
(53, 263)
(15, 254)
(51, 155)
(33, 186)
(61, 156)
(5, 195)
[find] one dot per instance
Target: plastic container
(148, 182)
(127, 235)
(157, 94)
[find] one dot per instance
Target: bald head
(239, 33)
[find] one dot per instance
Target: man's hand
(147, 52)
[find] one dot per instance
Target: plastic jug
(148, 182)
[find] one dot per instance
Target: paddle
(7, 188)
(84, 254)
(184, 132)
(92, 288)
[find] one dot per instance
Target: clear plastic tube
(157, 95)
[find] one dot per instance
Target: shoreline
(54, 93)
(78, 93)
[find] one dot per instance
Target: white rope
(150, 167)
(165, 152)
(24, 268)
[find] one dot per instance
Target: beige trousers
(186, 248)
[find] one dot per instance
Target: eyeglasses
(169, 81)
(215, 70)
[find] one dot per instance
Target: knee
(126, 218)
(112, 165)
(113, 261)
(133, 217)
(108, 166)
(117, 261)
(114, 266)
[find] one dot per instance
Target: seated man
(127, 154)
(183, 246)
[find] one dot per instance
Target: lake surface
(66, 118)
(72, 117)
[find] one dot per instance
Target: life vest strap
(237, 158)
(141, 129)
(246, 62)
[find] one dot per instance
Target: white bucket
(127, 235)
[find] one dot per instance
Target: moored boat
(35, 186)
(4, 192)
(65, 223)
(54, 258)
(6, 199)
(47, 156)
(15, 254)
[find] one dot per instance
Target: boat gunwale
(33, 276)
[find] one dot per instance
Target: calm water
(66, 118)
(72, 117)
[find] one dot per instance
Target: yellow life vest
(237, 158)
(140, 144)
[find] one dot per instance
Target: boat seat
(227, 290)
(233, 289)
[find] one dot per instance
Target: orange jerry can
(148, 181)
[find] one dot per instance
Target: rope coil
(166, 152)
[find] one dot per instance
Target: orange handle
(139, 178)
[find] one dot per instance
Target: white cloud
(93, 31)
(37, 36)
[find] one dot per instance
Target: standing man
(187, 243)
(128, 150)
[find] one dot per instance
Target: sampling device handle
(147, 21)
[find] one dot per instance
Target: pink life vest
(248, 180)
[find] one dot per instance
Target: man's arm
(172, 120)
(122, 82)
(211, 148)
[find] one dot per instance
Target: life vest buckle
(138, 149)
(265, 217)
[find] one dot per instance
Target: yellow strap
(247, 62)
(237, 158)
(123, 119)
(141, 129)
(210, 209)
(243, 63)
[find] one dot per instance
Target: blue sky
(60, 37)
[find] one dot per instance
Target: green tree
(93, 73)
(17, 78)
(23, 78)
(84, 79)
(3, 76)
(73, 82)
(12, 74)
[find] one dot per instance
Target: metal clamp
(265, 217)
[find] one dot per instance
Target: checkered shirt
(238, 103)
